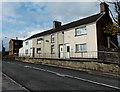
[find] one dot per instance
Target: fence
(102, 55)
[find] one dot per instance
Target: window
(26, 43)
(16, 43)
(38, 50)
(52, 38)
(80, 31)
(52, 49)
(68, 48)
(39, 40)
(26, 51)
(16, 50)
(81, 47)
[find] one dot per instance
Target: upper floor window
(52, 49)
(38, 50)
(52, 38)
(16, 43)
(80, 31)
(81, 47)
(26, 43)
(39, 40)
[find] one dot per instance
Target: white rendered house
(27, 49)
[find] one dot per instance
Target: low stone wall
(78, 65)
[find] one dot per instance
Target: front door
(67, 50)
(61, 51)
(33, 52)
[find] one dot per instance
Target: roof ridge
(82, 18)
(75, 23)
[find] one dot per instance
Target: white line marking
(15, 82)
(10, 63)
(64, 75)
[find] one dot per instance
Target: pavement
(10, 85)
(34, 77)
(0, 81)
(0, 74)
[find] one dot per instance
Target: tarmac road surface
(42, 77)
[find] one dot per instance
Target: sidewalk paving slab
(9, 85)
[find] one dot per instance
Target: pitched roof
(16, 40)
(73, 24)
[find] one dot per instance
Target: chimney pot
(56, 24)
(16, 38)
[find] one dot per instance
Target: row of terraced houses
(83, 38)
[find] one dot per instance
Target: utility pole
(108, 40)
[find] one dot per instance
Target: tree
(111, 29)
(114, 29)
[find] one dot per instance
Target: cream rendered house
(47, 45)
(83, 38)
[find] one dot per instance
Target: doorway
(61, 51)
(33, 54)
(67, 52)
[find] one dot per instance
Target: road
(42, 77)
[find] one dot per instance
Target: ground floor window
(38, 50)
(81, 47)
(52, 49)
(26, 51)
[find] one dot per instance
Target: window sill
(81, 52)
(53, 42)
(53, 53)
(80, 35)
(38, 43)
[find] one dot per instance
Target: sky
(23, 19)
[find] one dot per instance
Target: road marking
(64, 75)
(15, 82)
(61, 75)
(10, 63)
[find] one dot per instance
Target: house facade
(27, 49)
(83, 38)
(14, 46)
(48, 45)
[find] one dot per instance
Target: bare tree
(116, 4)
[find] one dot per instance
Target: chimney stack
(56, 24)
(104, 7)
(16, 38)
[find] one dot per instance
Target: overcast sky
(23, 19)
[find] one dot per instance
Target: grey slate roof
(73, 24)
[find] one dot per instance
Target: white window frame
(26, 43)
(81, 31)
(52, 38)
(38, 50)
(39, 40)
(52, 49)
(26, 51)
(81, 47)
